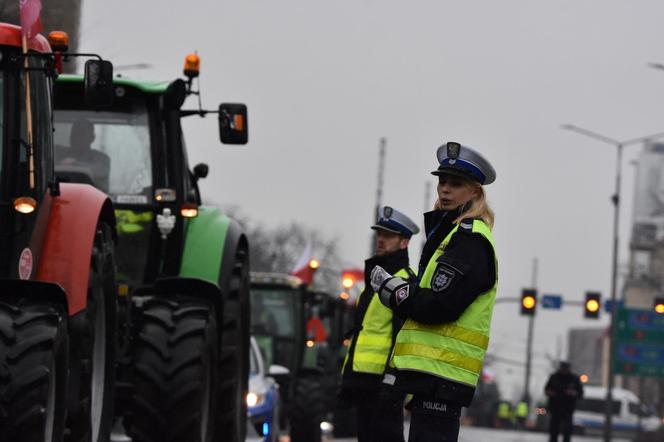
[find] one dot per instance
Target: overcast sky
(324, 80)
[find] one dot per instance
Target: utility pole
(529, 345)
(379, 190)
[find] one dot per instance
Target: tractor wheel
(234, 361)
(33, 370)
(176, 352)
(306, 411)
(92, 417)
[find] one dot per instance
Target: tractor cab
(26, 168)
(291, 323)
(27, 179)
(134, 150)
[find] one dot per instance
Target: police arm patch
(443, 277)
(402, 294)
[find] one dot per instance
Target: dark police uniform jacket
(558, 391)
(354, 384)
(475, 253)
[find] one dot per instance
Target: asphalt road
(474, 434)
(467, 434)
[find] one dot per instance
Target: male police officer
(379, 409)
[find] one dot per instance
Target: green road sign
(639, 343)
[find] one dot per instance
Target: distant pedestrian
(379, 407)
(563, 389)
(439, 352)
(504, 415)
(521, 414)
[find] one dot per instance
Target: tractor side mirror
(98, 83)
(201, 171)
(175, 94)
(233, 127)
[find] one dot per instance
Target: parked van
(627, 412)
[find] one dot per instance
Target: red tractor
(57, 272)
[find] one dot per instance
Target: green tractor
(182, 268)
(302, 330)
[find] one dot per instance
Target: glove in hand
(378, 276)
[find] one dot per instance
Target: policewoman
(440, 349)
(379, 409)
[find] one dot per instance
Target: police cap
(456, 159)
(391, 220)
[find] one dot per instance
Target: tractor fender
(212, 240)
(193, 287)
(33, 290)
(69, 240)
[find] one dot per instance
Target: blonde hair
(477, 208)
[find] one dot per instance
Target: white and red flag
(31, 24)
(306, 266)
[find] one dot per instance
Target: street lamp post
(615, 199)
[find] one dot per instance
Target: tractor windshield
(274, 319)
(110, 150)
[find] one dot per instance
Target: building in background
(587, 352)
(645, 280)
(56, 15)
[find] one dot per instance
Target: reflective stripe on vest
(374, 341)
(454, 350)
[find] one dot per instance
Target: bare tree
(277, 249)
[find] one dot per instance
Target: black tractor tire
(33, 370)
(91, 419)
(234, 360)
(306, 410)
(175, 355)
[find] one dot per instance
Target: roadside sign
(639, 343)
(608, 305)
(552, 301)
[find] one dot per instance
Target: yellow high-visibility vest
(521, 410)
(374, 341)
(504, 410)
(454, 350)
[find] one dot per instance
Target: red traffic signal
(592, 305)
(528, 301)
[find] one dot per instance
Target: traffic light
(592, 305)
(528, 301)
(659, 305)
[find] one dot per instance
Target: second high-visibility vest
(453, 351)
(374, 340)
